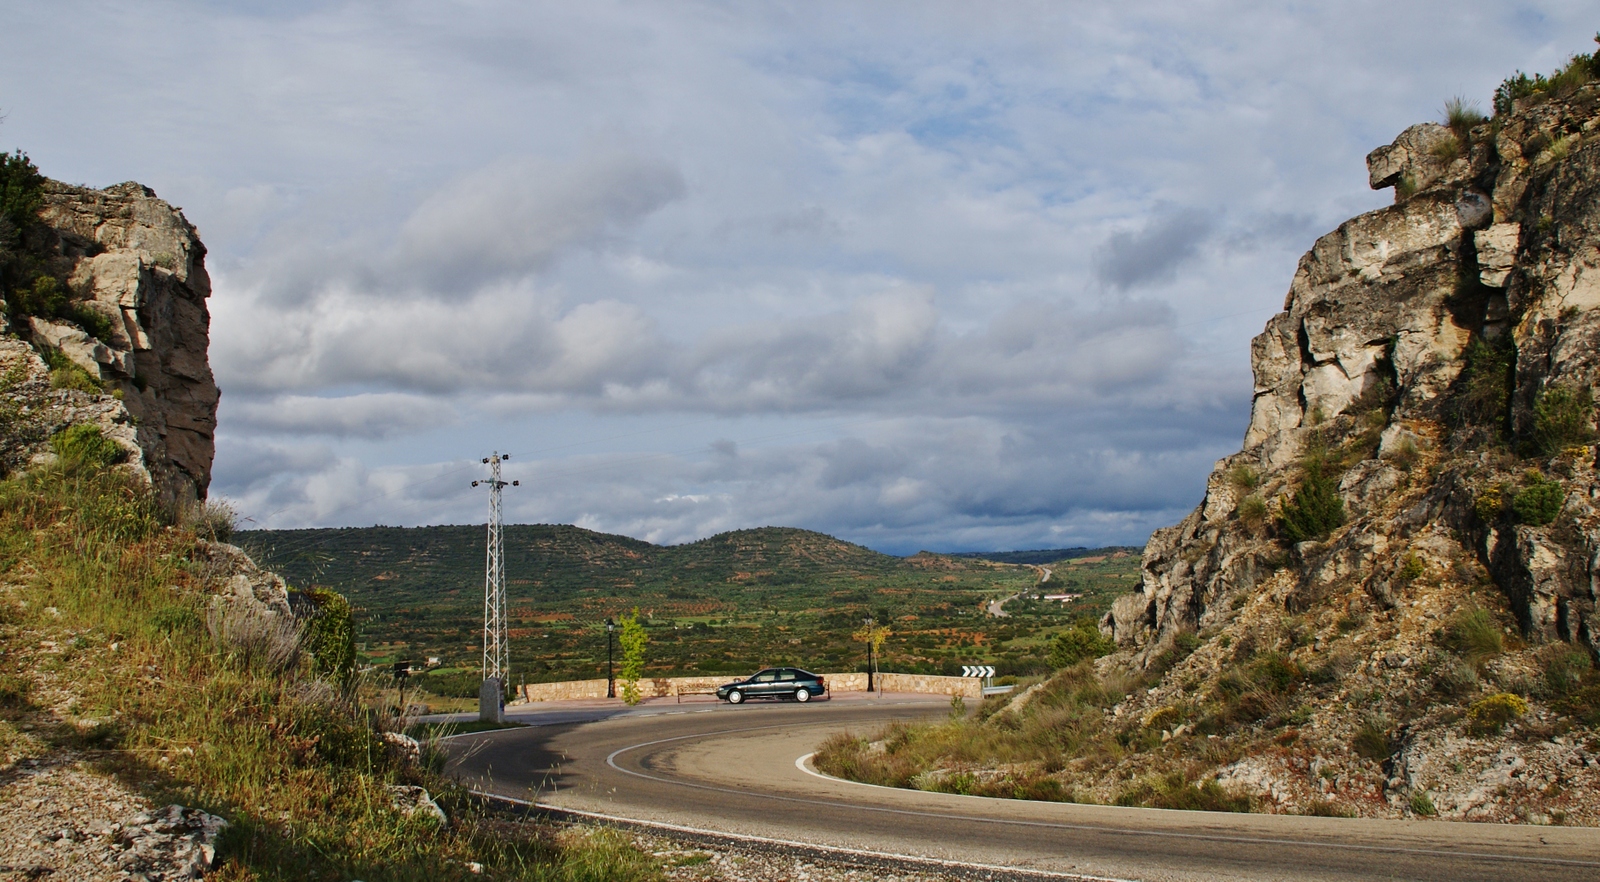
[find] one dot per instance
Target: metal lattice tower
(496, 647)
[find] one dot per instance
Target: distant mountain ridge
(1044, 555)
(557, 561)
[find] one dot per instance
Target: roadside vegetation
(113, 648)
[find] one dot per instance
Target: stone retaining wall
(667, 687)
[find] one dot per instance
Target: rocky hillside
(1414, 509)
(109, 287)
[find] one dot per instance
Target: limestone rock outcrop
(1383, 364)
(136, 260)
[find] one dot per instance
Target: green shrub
(1184, 643)
(1276, 673)
(1316, 509)
(1422, 804)
(1539, 501)
(1411, 568)
(48, 297)
(1486, 384)
(1563, 417)
(1491, 503)
(67, 374)
(1565, 669)
(1174, 791)
(1491, 713)
(330, 635)
(1252, 511)
(1244, 478)
(83, 447)
(1372, 741)
(21, 189)
(1083, 641)
(1473, 634)
(1578, 70)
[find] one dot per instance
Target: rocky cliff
(1448, 327)
(1397, 574)
(133, 261)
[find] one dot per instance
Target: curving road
(742, 770)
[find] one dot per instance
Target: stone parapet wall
(668, 687)
(966, 687)
(565, 691)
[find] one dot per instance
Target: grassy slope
(129, 674)
(722, 605)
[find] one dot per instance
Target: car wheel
(802, 695)
(735, 697)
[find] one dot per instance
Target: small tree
(633, 640)
(1083, 641)
(1540, 501)
(1563, 416)
(20, 186)
(874, 635)
(1316, 508)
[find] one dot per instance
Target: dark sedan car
(775, 683)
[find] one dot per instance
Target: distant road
(997, 608)
(741, 771)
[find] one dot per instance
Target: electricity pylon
(496, 648)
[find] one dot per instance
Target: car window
(785, 676)
(765, 677)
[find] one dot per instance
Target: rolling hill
(772, 595)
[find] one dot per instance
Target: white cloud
(1018, 250)
(366, 415)
(515, 216)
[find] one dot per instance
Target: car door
(764, 684)
(783, 687)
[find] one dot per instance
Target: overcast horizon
(917, 275)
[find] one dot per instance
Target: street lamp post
(611, 680)
(869, 623)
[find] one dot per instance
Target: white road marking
(832, 849)
(611, 760)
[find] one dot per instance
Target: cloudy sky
(954, 276)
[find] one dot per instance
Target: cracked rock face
(1494, 237)
(136, 260)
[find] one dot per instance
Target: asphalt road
(740, 770)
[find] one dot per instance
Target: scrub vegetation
(113, 649)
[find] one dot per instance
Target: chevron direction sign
(977, 670)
